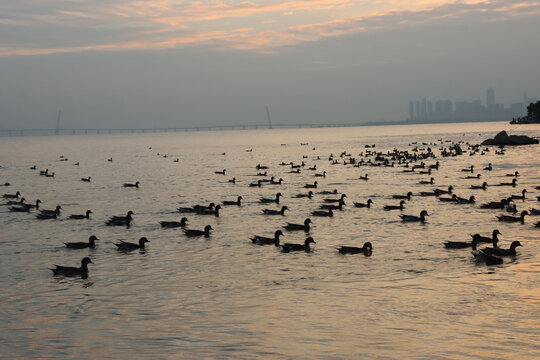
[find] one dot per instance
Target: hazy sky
(124, 63)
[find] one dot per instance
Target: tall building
(411, 110)
(490, 97)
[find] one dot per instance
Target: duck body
(503, 252)
(295, 227)
(508, 218)
(196, 233)
(83, 245)
(120, 220)
(12, 196)
(470, 200)
(270, 200)
(275, 212)
(363, 205)
(395, 207)
(237, 202)
(286, 248)
(407, 197)
(493, 239)
(128, 246)
(136, 185)
(412, 218)
(263, 240)
(366, 249)
(80, 216)
(322, 213)
(483, 186)
(341, 199)
(462, 244)
(482, 257)
(311, 186)
(309, 195)
(174, 224)
(70, 271)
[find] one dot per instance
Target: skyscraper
(490, 98)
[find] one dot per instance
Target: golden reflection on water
(224, 297)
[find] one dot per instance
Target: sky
(169, 63)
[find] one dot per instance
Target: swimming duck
(46, 216)
(136, 185)
(534, 211)
(408, 196)
(311, 186)
(480, 256)
(412, 218)
(463, 244)
(73, 271)
(508, 218)
(363, 205)
(321, 213)
(83, 245)
(516, 174)
(332, 200)
(262, 240)
(435, 166)
(120, 220)
(222, 172)
(512, 208)
(273, 182)
(495, 204)
(470, 200)
(174, 224)
(261, 167)
(473, 177)
(79, 216)
(233, 180)
(483, 186)
(471, 169)
(366, 249)
(328, 192)
(275, 212)
(195, 232)
(339, 206)
(127, 246)
(298, 247)
(488, 168)
(395, 207)
(297, 171)
(87, 179)
(440, 192)
(323, 174)
(205, 211)
(519, 197)
(503, 252)
(365, 177)
(450, 199)
(12, 196)
(425, 172)
(309, 195)
(257, 184)
(19, 202)
(294, 227)
(493, 239)
(513, 183)
(427, 182)
(237, 202)
(269, 200)
(56, 211)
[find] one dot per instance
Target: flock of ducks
(405, 161)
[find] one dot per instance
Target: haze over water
(224, 297)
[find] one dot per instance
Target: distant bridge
(60, 131)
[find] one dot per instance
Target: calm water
(223, 297)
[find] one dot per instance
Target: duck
(273, 182)
(503, 252)
(470, 169)
(534, 211)
(297, 171)
(12, 196)
(19, 202)
(311, 186)
(366, 249)
(56, 211)
(136, 185)
(508, 218)
(463, 244)
(33, 206)
(331, 200)
(44, 172)
(428, 172)
(46, 216)
(195, 232)
(322, 213)
(233, 180)
(309, 195)
(339, 206)
(298, 247)
(87, 179)
(513, 183)
(483, 186)
(440, 192)
(516, 174)
(395, 207)
(261, 167)
(426, 181)
(73, 271)
(222, 172)
(174, 224)
(323, 174)
(363, 205)
(205, 211)
(477, 176)
(257, 184)
(512, 208)
(450, 199)
(263, 240)
(120, 220)
(80, 216)
(271, 200)
(83, 245)
(109, 159)
(127, 246)
(21, 208)
(495, 204)
(365, 177)
(482, 257)
(408, 196)
(294, 227)
(412, 218)
(275, 212)
(489, 167)
(328, 192)
(519, 197)
(493, 239)
(470, 200)
(237, 202)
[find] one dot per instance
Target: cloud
(31, 27)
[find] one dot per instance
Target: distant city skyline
(445, 110)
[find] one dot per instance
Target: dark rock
(503, 138)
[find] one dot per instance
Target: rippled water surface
(223, 297)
